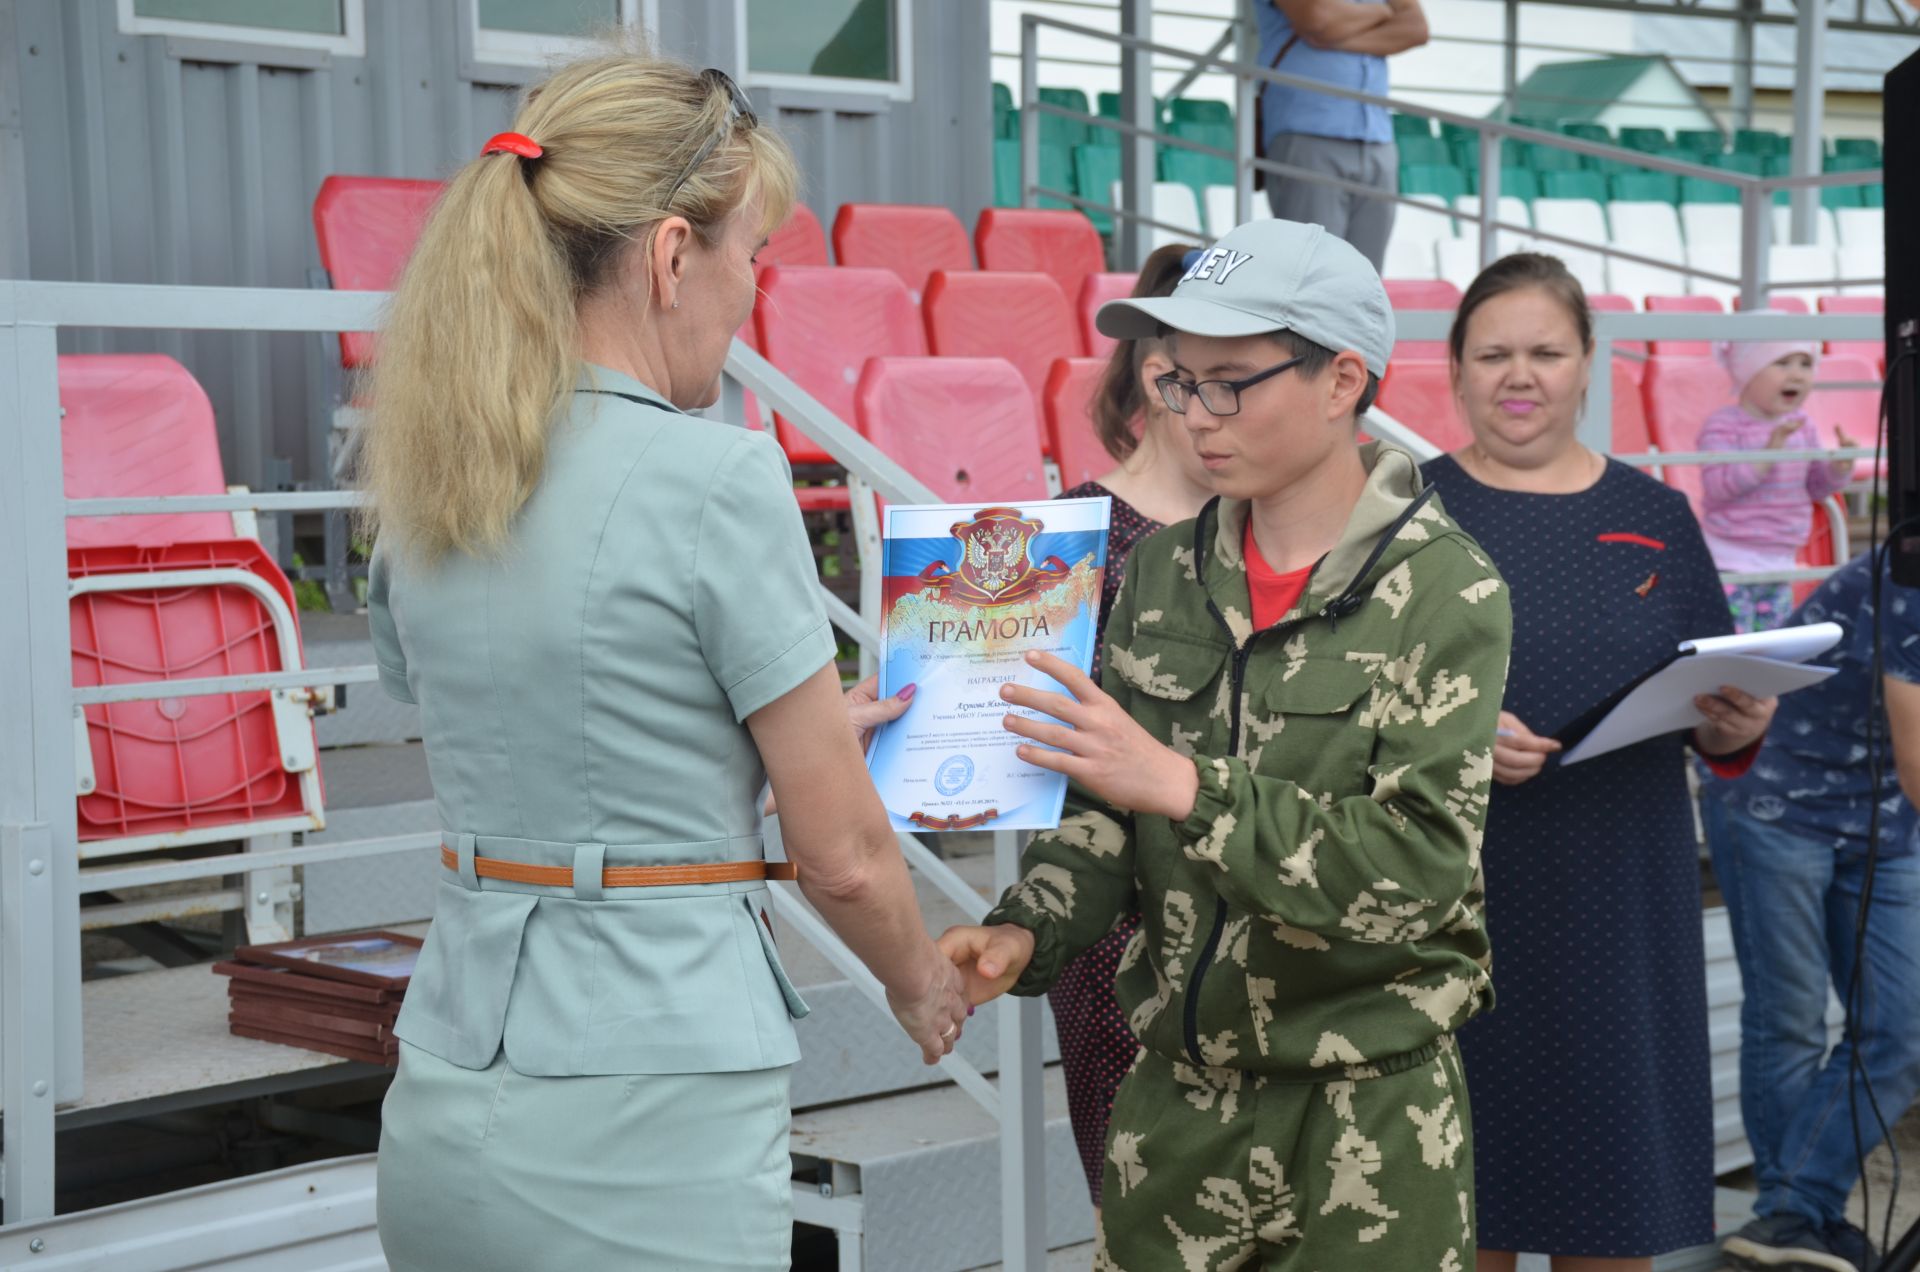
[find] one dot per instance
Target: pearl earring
(676, 304)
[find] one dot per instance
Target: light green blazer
(582, 697)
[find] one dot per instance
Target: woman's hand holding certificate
(1099, 745)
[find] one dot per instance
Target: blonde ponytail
(480, 343)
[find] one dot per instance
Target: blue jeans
(1793, 904)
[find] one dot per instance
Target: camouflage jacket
(1318, 915)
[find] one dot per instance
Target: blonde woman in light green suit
(606, 611)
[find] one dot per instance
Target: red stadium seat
(1680, 392)
(911, 239)
(200, 769)
(1683, 305)
(964, 426)
(1854, 411)
(1630, 433)
(1612, 303)
(1874, 351)
(366, 228)
(1071, 386)
(1421, 293)
(138, 424)
(820, 325)
(992, 314)
(1096, 291)
(798, 240)
(1819, 549)
(1054, 241)
(1781, 304)
(1418, 392)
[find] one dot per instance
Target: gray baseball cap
(1270, 275)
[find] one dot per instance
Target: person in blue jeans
(1790, 843)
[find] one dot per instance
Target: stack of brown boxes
(337, 994)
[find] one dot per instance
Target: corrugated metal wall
(158, 159)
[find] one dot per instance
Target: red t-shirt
(1273, 593)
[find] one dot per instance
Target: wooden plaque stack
(338, 994)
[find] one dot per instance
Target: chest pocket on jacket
(1168, 667)
(1317, 726)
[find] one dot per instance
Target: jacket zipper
(1335, 609)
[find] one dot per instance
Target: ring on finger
(947, 1035)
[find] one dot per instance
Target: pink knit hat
(1745, 359)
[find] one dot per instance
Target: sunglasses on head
(739, 108)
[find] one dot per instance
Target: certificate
(969, 591)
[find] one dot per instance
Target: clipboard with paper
(1765, 664)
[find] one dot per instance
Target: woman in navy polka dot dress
(1592, 1113)
(1159, 480)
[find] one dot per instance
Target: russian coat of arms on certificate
(969, 591)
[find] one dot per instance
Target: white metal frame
(352, 42)
(1135, 51)
(899, 88)
(505, 47)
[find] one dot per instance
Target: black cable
(1856, 1065)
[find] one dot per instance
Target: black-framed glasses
(1220, 397)
(739, 107)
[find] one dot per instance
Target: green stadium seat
(1760, 141)
(1405, 126)
(1064, 132)
(1095, 169)
(1196, 171)
(1107, 137)
(1701, 190)
(1466, 153)
(1201, 110)
(1873, 196)
(1056, 173)
(1588, 132)
(1649, 139)
(1110, 106)
(1443, 180)
(1423, 150)
(1006, 173)
(1850, 161)
(1865, 146)
(1754, 165)
(1701, 141)
(1451, 132)
(1644, 187)
(1007, 124)
(1002, 96)
(1205, 132)
(1569, 185)
(1545, 159)
(1840, 196)
(1523, 183)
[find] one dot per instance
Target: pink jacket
(1755, 522)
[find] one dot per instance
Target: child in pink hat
(1757, 516)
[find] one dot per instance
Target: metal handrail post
(1809, 106)
(37, 782)
(1023, 1145)
(27, 1003)
(1029, 119)
(1490, 146)
(1139, 156)
(1754, 231)
(1245, 147)
(1595, 429)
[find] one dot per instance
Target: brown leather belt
(627, 876)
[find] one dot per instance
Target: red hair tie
(512, 143)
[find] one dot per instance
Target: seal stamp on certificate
(954, 775)
(968, 591)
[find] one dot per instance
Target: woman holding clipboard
(1593, 1114)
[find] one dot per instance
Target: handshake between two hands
(981, 963)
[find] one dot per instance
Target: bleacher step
(927, 1169)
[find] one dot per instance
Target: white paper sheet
(1663, 702)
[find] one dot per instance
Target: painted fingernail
(969, 1010)
(906, 695)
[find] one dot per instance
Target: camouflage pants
(1211, 1170)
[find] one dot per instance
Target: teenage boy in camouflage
(1286, 776)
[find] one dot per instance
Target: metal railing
(1755, 193)
(41, 877)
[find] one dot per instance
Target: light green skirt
(484, 1169)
